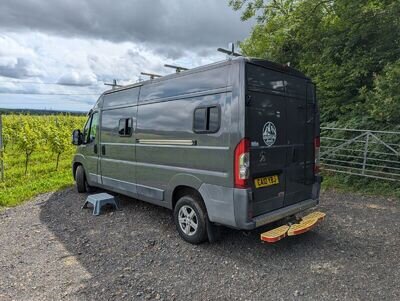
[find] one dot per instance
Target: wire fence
(367, 153)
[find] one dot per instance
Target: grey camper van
(234, 143)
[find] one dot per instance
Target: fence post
(365, 153)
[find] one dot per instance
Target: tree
(384, 98)
(27, 139)
(344, 46)
(10, 127)
(58, 138)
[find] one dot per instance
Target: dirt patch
(52, 250)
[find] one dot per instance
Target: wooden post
(1, 150)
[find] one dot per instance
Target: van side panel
(201, 81)
(167, 147)
(162, 124)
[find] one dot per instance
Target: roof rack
(230, 51)
(152, 75)
(177, 68)
(113, 84)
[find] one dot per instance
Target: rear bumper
(230, 206)
(275, 215)
(245, 223)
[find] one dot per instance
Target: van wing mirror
(77, 137)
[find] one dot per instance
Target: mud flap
(213, 232)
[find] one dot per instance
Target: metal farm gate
(374, 154)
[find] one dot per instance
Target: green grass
(361, 185)
(41, 177)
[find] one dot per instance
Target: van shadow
(138, 247)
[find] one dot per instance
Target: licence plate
(266, 181)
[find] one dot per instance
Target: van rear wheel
(190, 219)
(81, 184)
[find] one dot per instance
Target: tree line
(350, 49)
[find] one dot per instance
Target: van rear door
(300, 128)
(280, 123)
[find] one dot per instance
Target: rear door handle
(95, 148)
(103, 149)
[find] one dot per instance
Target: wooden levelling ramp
(307, 223)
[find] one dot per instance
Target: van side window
(86, 129)
(206, 120)
(90, 130)
(93, 127)
(125, 127)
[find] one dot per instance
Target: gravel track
(52, 250)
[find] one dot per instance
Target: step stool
(99, 200)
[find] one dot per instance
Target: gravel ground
(52, 250)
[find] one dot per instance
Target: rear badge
(269, 133)
(263, 158)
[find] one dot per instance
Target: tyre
(80, 179)
(190, 219)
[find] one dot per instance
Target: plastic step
(318, 215)
(302, 227)
(275, 234)
(306, 224)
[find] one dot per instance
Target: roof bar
(230, 51)
(177, 68)
(113, 85)
(152, 76)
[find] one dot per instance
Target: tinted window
(200, 120)
(119, 98)
(125, 127)
(213, 122)
(295, 86)
(206, 120)
(264, 78)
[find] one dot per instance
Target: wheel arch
(74, 167)
(183, 190)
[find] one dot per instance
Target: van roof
(261, 62)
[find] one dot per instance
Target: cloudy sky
(57, 54)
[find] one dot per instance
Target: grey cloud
(21, 68)
(180, 24)
(170, 52)
(74, 78)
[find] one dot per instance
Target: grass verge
(361, 185)
(41, 177)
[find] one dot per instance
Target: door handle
(103, 149)
(95, 148)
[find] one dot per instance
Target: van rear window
(259, 77)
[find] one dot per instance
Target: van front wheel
(190, 218)
(80, 179)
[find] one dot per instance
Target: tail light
(317, 144)
(242, 163)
